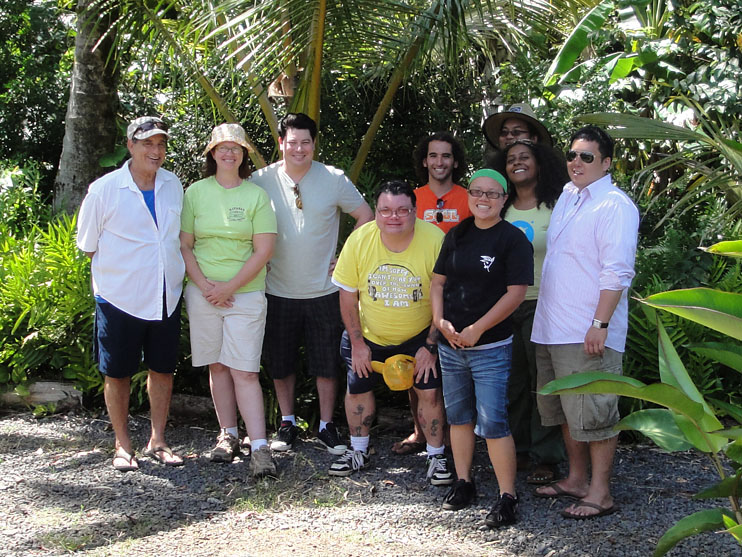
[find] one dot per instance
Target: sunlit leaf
(659, 425)
(702, 521)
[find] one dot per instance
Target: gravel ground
(60, 495)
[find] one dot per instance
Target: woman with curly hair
(536, 175)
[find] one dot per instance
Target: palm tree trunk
(90, 125)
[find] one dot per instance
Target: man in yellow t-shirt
(384, 273)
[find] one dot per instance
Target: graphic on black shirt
(487, 262)
(395, 285)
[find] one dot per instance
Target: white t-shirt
(307, 238)
(591, 246)
(133, 255)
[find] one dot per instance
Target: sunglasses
(439, 205)
(487, 194)
(297, 193)
(151, 125)
(586, 156)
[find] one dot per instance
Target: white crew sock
(255, 445)
(359, 443)
(435, 450)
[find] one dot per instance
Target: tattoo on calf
(434, 427)
(368, 421)
(359, 410)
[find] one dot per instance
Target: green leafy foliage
(687, 418)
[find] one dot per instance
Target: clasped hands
(464, 339)
(218, 293)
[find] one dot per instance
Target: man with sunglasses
(308, 198)
(129, 225)
(440, 162)
(384, 274)
(582, 317)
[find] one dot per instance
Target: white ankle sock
(435, 450)
(359, 443)
(232, 431)
(322, 425)
(255, 445)
(291, 418)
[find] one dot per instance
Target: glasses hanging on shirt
(439, 214)
(297, 200)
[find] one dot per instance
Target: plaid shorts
(314, 321)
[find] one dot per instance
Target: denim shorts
(475, 388)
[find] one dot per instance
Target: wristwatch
(598, 324)
(431, 347)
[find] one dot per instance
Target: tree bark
(90, 125)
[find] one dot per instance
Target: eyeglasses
(223, 149)
(439, 205)
(586, 156)
(517, 132)
(151, 125)
(401, 212)
(487, 194)
(297, 193)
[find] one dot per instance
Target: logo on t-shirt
(395, 285)
(236, 214)
(526, 227)
(487, 262)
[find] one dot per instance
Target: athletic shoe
(350, 462)
(330, 438)
(461, 495)
(285, 437)
(504, 512)
(227, 446)
(438, 472)
(261, 463)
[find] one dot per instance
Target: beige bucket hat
(227, 132)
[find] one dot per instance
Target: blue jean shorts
(475, 388)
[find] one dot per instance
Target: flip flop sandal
(407, 447)
(129, 464)
(158, 454)
(559, 492)
(543, 474)
(602, 511)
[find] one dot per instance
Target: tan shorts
(230, 336)
(589, 417)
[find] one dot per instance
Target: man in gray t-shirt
(308, 198)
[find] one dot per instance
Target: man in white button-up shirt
(129, 225)
(582, 316)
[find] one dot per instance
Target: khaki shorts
(230, 336)
(589, 417)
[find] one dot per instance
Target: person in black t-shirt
(480, 278)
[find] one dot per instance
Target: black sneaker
(330, 438)
(285, 437)
(350, 462)
(438, 472)
(459, 496)
(504, 512)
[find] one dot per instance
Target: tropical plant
(685, 419)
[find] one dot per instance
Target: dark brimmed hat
(522, 111)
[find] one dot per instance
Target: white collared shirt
(133, 255)
(591, 246)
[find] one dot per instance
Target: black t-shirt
(479, 265)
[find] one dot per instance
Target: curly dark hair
(552, 175)
(209, 167)
(421, 152)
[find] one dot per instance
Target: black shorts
(359, 385)
(316, 322)
(120, 340)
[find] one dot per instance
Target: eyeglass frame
(396, 212)
(297, 199)
(223, 149)
(487, 194)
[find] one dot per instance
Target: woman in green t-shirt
(536, 176)
(228, 231)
